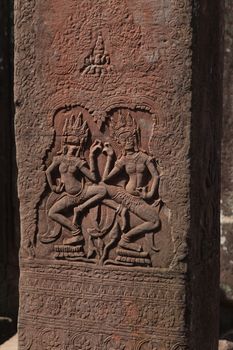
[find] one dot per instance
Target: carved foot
(124, 243)
(76, 239)
(52, 235)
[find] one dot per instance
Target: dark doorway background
(9, 217)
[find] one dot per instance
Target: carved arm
(155, 180)
(108, 150)
(49, 171)
(91, 173)
(114, 172)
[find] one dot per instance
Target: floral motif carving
(25, 340)
(149, 345)
(51, 339)
(80, 341)
(114, 343)
(102, 310)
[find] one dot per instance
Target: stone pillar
(118, 110)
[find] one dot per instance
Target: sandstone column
(118, 109)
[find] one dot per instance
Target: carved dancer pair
(79, 181)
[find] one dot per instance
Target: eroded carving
(105, 320)
(98, 62)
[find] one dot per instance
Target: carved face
(127, 140)
(72, 140)
(72, 149)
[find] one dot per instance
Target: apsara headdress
(75, 130)
(125, 123)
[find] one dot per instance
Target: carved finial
(99, 46)
(98, 62)
(125, 123)
(75, 129)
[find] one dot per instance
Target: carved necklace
(133, 157)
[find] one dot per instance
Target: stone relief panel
(124, 309)
(102, 203)
(95, 52)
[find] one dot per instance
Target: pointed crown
(75, 129)
(99, 46)
(124, 123)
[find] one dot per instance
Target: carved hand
(58, 188)
(108, 150)
(142, 191)
(96, 146)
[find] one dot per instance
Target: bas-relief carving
(98, 62)
(69, 42)
(104, 206)
(96, 319)
(56, 339)
(101, 312)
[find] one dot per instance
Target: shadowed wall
(9, 223)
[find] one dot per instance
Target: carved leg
(120, 209)
(77, 238)
(106, 251)
(94, 194)
(91, 248)
(127, 238)
(55, 214)
(113, 235)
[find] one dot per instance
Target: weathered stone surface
(117, 147)
(227, 159)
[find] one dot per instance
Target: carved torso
(135, 166)
(69, 168)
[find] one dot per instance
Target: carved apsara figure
(70, 175)
(135, 195)
(137, 165)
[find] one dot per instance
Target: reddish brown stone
(117, 139)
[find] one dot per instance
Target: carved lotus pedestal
(117, 132)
